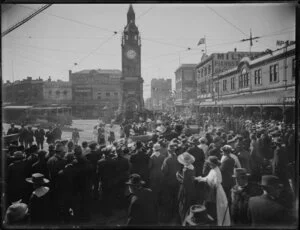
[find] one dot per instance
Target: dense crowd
(228, 172)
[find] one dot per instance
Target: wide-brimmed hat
(92, 144)
(186, 158)
(239, 172)
(37, 178)
(270, 181)
(156, 147)
(213, 160)
(135, 179)
(198, 215)
(16, 212)
(18, 155)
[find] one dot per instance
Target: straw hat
(239, 172)
(186, 158)
(37, 178)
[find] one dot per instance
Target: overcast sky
(64, 34)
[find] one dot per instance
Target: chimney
(29, 78)
(235, 50)
(49, 79)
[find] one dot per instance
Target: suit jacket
(199, 159)
(39, 135)
(279, 164)
(263, 211)
(240, 200)
(139, 164)
(142, 208)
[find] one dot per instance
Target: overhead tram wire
(72, 20)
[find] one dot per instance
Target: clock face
(131, 54)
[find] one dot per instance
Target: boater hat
(37, 178)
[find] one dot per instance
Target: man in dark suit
(265, 210)
(280, 161)
(12, 129)
(139, 162)
(198, 154)
(143, 206)
(39, 137)
(240, 195)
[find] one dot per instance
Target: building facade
(264, 86)
(131, 82)
(24, 92)
(57, 92)
(185, 86)
(161, 91)
(95, 93)
(211, 66)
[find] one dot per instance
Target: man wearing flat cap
(265, 210)
(240, 195)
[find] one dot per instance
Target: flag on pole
(201, 41)
(279, 42)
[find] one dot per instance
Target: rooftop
(100, 71)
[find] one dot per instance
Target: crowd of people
(225, 173)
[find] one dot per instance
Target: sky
(50, 43)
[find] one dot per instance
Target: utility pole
(250, 39)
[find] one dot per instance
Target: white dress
(214, 180)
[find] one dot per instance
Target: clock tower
(131, 82)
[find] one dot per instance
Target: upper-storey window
(274, 73)
(257, 77)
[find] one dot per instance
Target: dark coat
(226, 169)
(50, 137)
(23, 133)
(139, 164)
(29, 136)
(169, 168)
(187, 192)
(40, 167)
(93, 157)
(16, 184)
(39, 135)
(240, 198)
(263, 211)
(279, 164)
(57, 133)
(54, 165)
(156, 175)
(199, 159)
(41, 209)
(143, 208)
(106, 173)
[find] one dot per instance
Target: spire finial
(130, 14)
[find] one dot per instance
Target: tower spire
(130, 14)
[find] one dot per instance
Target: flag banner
(279, 43)
(201, 41)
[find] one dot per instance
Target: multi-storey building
(24, 92)
(161, 90)
(264, 85)
(96, 93)
(212, 65)
(57, 92)
(185, 86)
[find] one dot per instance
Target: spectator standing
(39, 137)
(75, 136)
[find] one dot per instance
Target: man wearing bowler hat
(143, 206)
(265, 210)
(240, 195)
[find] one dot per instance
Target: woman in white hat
(187, 191)
(216, 202)
(156, 175)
